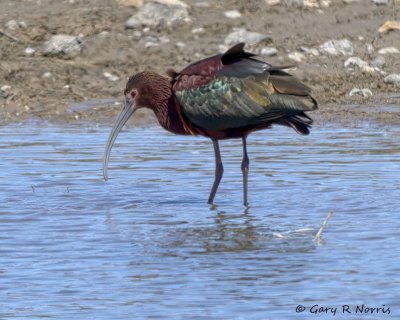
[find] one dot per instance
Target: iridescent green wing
(229, 102)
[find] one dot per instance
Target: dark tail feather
(301, 123)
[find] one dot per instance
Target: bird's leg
(219, 170)
(245, 171)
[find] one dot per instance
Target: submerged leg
(245, 171)
(219, 170)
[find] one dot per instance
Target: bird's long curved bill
(125, 114)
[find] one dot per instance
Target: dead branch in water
(322, 227)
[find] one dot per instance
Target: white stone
(164, 39)
(361, 92)
(356, 62)
(110, 76)
(380, 2)
(296, 56)
(272, 2)
(326, 3)
(157, 15)
(368, 69)
(201, 4)
(370, 48)
(388, 50)
(180, 44)
(337, 47)
(172, 3)
(242, 35)
(5, 91)
(104, 34)
(131, 3)
(302, 3)
(223, 48)
(298, 3)
(149, 41)
(46, 75)
(310, 3)
(393, 78)
(14, 24)
(29, 51)
(150, 44)
(353, 62)
(310, 51)
(269, 51)
(232, 14)
(63, 46)
(198, 30)
(378, 62)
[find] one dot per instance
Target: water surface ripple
(146, 245)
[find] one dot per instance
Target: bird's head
(144, 89)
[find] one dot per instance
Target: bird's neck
(165, 106)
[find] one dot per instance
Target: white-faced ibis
(221, 97)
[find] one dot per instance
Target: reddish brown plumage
(224, 96)
(191, 81)
(198, 73)
(161, 100)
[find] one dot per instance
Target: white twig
(9, 36)
(322, 227)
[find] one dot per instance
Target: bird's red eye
(133, 93)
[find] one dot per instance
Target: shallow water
(146, 245)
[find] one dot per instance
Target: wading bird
(225, 96)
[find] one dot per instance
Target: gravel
(335, 47)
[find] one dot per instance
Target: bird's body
(224, 96)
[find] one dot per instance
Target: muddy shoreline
(89, 86)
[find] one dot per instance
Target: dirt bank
(38, 86)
